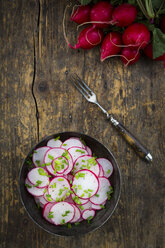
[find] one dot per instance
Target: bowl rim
(47, 138)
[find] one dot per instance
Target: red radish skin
(88, 38)
(111, 45)
(101, 14)
(124, 15)
(81, 14)
(163, 24)
(129, 55)
(136, 35)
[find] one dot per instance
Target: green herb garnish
(28, 186)
(50, 157)
(57, 138)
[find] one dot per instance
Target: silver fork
(91, 97)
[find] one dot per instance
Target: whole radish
(136, 35)
(129, 55)
(88, 38)
(124, 15)
(163, 24)
(111, 45)
(148, 51)
(81, 14)
(101, 14)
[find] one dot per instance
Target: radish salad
(68, 181)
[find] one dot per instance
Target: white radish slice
(38, 155)
(104, 188)
(77, 152)
(88, 214)
(98, 207)
(46, 211)
(54, 143)
(54, 153)
(40, 200)
(85, 184)
(60, 165)
(106, 165)
(89, 151)
(58, 188)
(62, 212)
(72, 142)
(86, 162)
(77, 214)
(38, 177)
(33, 190)
(101, 174)
(78, 200)
(83, 207)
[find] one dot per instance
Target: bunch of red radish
(101, 15)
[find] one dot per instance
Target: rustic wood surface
(34, 55)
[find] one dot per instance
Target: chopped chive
(77, 176)
(50, 157)
(42, 172)
(77, 223)
(59, 199)
(54, 185)
(45, 190)
(108, 171)
(50, 215)
(78, 150)
(90, 218)
(75, 190)
(81, 174)
(83, 160)
(34, 151)
(60, 179)
(64, 145)
(86, 191)
(62, 222)
(77, 163)
(38, 205)
(65, 187)
(56, 199)
(59, 158)
(68, 194)
(82, 141)
(62, 166)
(102, 206)
(82, 195)
(73, 186)
(38, 162)
(69, 225)
(70, 181)
(57, 138)
(66, 213)
(49, 176)
(38, 182)
(63, 198)
(97, 195)
(90, 190)
(81, 207)
(28, 186)
(70, 191)
(48, 163)
(60, 191)
(79, 186)
(89, 195)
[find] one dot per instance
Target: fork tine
(77, 82)
(83, 84)
(84, 93)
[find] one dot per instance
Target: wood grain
(134, 95)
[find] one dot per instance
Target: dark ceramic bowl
(101, 216)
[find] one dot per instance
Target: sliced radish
(62, 212)
(54, 153)
(101, 174)
(88, 214)
(38, 155)
(60, 165)
(40, 200)
(58, 188)
(46, 211)
(72, 142)
(98, 207)
(33, 190)
(38, 177)
(89, 151)
(77, 214)
(106, 165)
(85, 184)
(101, 195)
(86, 162)
(77, 152)
(79, 200)
(54, 143)
(47, 197)
(85, 206)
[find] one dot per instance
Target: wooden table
(34, 61)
